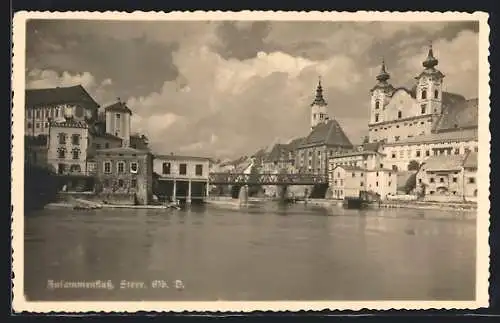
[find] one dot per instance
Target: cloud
(230, 88)
(37, 79)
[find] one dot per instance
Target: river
(261, 252)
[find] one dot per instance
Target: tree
(413, 165)
(411, 183)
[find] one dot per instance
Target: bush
(40, 187)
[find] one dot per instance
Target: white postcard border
(18, 86)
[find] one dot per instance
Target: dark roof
(295, 143)
(58, 95)
(443, 163)
(328, 133)
(118, 107)
(69, 124)
(457, 113)
(355, 153)
(279, 152)
(471, 160)
(373, 146)
(178, 157)
(261, 153)
(351, 168)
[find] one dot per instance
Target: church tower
(319, 107)
(380, 95)
(429, 86)
(118, 121)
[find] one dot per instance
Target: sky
(228, 88)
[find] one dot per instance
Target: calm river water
(264, 252)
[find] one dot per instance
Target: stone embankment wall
(119, 199)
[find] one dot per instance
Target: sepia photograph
(250, 161)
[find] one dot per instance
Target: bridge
(266, 179)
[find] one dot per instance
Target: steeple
(319, 100)
(430, 62)
(383, 76)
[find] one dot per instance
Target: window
(423, 108)
(418, 153)
(199, 170)
(353, 174)
(120, 183)
(121, 167)
(455, 179)
(29, 125)
(424, 94)
(107, 167)
(401, 154)
(133, 183)
(29, 113)
(457, 151)
(335, 182)
(118, 116)
(361, 184)
(476, 149)
(420, 181)
(57, 112)
(134, 167)
(46, 124)
(377, 105)
(61, 153)
(61, 168)
(338, 174)
(38, 114)
(75, 139)
(472, 180)
(376, 184)
(389, 183)
(76, 154)
(431, 192)
(106, 145)
(377, 174)
(62, 138)
(376, 117)
(360, 174)
(400, 114)
(427, 153)
(182, 169)
(441, 180)
(436, 94)
(393, 155)
(431, 180)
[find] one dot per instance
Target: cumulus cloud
(38, 78)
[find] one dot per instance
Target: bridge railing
(267, 178)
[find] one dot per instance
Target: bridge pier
(243, 195)
(174, 192)
(282, 192)
(188, 197)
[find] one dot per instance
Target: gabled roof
(458, 113)
(69, 124)
(350, 168)
(295, 143)
(328, 133)
(279, 152)
(58, 95)
(456, 135)
(118, 107)
(471, 160)
(443, 162)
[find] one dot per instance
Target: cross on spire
(430, 61)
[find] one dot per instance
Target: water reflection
(261, 252)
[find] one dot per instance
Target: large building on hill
(46, 105)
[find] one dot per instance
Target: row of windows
(406, 124)
(167, 169)
(121, 183)
(38, 125)
(120, 167)
(63, 168)
(52, 112)
(75, 138)
(471, 180)
(75, 153)
(436, 152)
(360, 183)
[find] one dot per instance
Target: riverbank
(105, 206)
